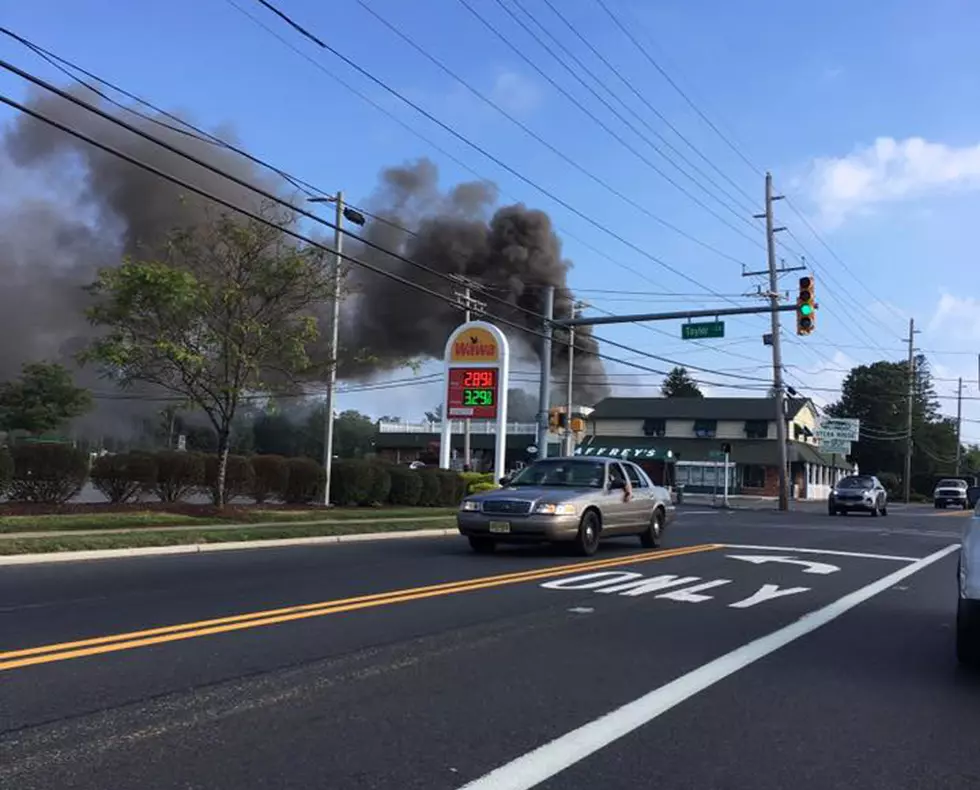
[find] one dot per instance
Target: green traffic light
(806, 309)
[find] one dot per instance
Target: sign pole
(725, 495)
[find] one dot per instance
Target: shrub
(448, 488)
(480, 488)
(49, 473)
(6, 470)
(356, 482)
(304, 480)
(471, 479)
(122, 476)
(178, 475)
(406, 486)
(239, 477)
(429, 496)
(270, 476)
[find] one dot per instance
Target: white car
(951, 492)
(968, 603)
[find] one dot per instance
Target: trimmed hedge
(239, 476)
(406, 486)
(48, 473)
(121, 477)
(270, 476)
(6, 470)
(178, 475)
(429, 496)
(304, 481)
(357, 482)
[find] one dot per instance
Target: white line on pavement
(697, 512)
(859, 554)
(544, 762)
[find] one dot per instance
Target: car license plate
(500, 526)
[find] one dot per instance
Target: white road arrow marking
(822, 568)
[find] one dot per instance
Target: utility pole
(777, 351)
(544, 393)
(338, 246)
(469, 304)
(959, 424)
(908, 425)
(569, 436)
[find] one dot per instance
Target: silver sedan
(575, 500)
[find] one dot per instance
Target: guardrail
(476, 427)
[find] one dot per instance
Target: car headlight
(549, 509)
(470, 506)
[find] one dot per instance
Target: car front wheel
(650, 538)
(587, 539)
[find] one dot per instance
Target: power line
(647, 103)
(479, 149)
(247, 213)
(538, 138)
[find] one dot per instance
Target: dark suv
(858, 492)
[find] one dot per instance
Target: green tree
(679, 384)
(353, 434)
(227, 309)
(42, 399)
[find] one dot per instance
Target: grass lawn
(147, 519)
(148, 537)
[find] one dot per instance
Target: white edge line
(546, 761)
(203, 548)
(831, 552)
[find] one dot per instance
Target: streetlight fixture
(356, 218)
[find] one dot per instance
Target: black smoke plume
(67, 209)
(509, 255)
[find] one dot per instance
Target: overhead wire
(585, 216)
(572, 162)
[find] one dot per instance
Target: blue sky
(865, 113)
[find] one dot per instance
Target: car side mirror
(504, 481)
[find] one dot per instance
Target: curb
(202, 548)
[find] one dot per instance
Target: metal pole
(672, 316)
(777, 352)
(466, 422)
(338, 242)
(959, 424)
(908, 426)
(544, 393)
(569, 436)
(725, 495)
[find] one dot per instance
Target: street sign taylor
(702, 330)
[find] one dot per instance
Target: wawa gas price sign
(477, 361)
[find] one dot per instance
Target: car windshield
(856, 482)
(951, 484)
(564, 473)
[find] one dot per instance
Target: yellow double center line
(171, 633)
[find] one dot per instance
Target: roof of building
(764, 452)
(693, 408)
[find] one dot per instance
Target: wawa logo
(474, 345)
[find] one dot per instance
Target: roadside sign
(716, 455)
(831, 447)
(702, 330)
(838, 429)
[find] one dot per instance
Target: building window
(754, 476)
(705, 429)
(654, 427)
(756, 429)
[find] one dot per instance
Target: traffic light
(806, 309)
(556, 419)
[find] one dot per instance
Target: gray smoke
(76, 208)
(509, 253)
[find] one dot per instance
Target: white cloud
(515, 93)
(889, 171)
(956, 318)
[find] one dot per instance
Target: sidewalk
(739, 502)
(216, 527)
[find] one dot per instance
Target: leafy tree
(42, 399)
(877, 394)
(679, 384)
(353, 434)
(226, 310)
(435, 415)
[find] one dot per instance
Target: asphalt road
(756, 650)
